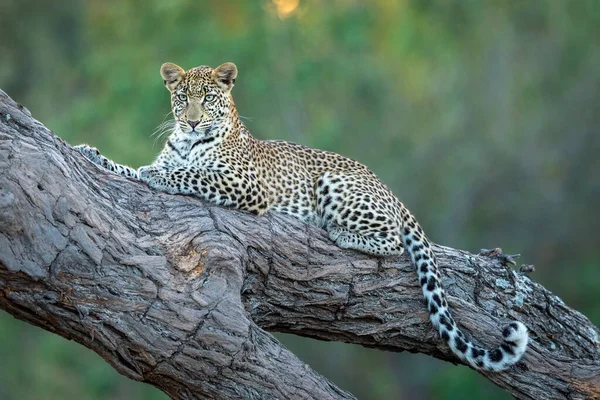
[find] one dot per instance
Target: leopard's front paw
(148, 172)
(153, 176)
(91, 153)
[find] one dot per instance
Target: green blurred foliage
(481, 116)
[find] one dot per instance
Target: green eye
(182, 97)
(209, 97)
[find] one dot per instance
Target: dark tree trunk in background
(180, 294)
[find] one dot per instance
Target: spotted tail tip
(516, 335)
(510, 351)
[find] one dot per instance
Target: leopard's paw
(154, 177)
(91, 153)
(147, 172)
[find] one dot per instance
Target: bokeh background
(483, 117)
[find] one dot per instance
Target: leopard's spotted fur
(212, 155)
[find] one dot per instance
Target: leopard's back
(294, 175)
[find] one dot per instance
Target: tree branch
(176, 292)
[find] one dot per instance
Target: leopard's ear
(225, 75)
(172, 74)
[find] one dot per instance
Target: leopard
(212, 155)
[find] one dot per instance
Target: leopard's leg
(352, 217)
(368, 243)
(92, 154)
(226, 189)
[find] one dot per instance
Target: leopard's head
(201, 97)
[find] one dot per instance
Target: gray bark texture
(180, 294)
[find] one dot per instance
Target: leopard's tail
(515, 334)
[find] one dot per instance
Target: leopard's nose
(193, 124)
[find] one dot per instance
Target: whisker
(162, 124)
(164, 129)
(161, 129)
(246, 118)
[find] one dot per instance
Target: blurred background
(482, 116)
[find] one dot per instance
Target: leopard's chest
(204, 156)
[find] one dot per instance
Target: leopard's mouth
(203, 130)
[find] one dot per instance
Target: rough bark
(178, 293)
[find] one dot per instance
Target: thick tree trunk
(177, 292)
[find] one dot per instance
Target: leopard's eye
(182, 97)
(209, 97)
